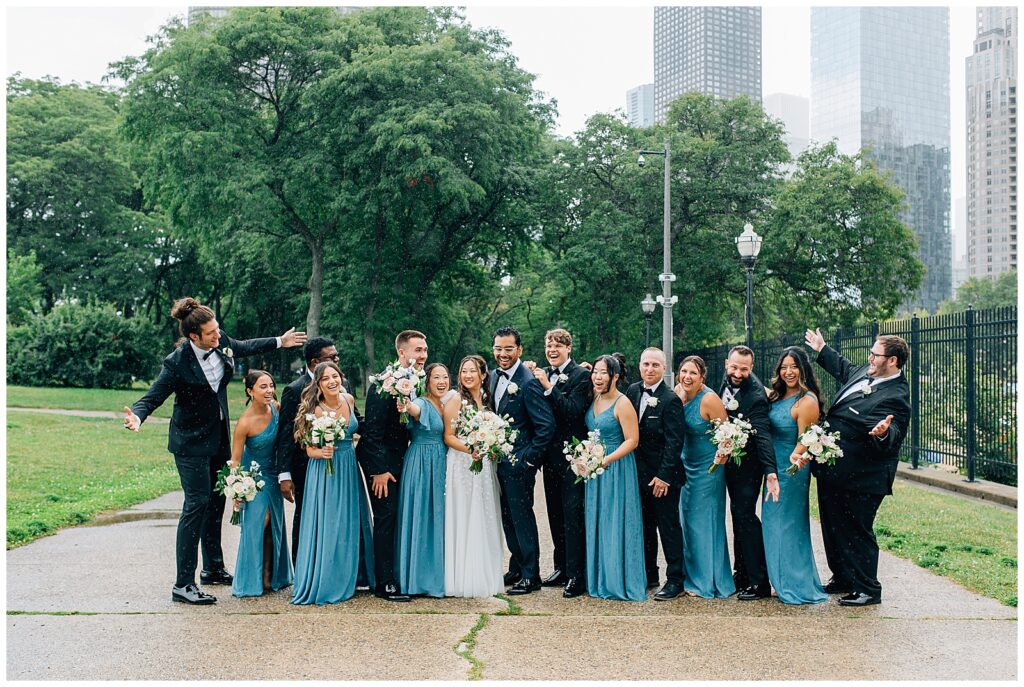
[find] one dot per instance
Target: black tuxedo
(744, 484)
(383, 441)
(199, 438)
(660, 454)
(531, 415)
(569, 401)
(850, 492)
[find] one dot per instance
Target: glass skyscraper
(710, 50)
(880, 80)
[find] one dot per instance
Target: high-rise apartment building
(880, 81)
(710, 50)
(640, 106)
(991, 85)
(795, 113)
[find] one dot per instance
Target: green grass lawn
(972, 543)
(63, 470)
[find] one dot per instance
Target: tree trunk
(316, 289)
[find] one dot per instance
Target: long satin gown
(786, 525)
(702, 511)
(614, 523)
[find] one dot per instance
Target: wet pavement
(93, 602)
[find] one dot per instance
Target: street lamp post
(648, 305)
(666, 277)
(749, 245)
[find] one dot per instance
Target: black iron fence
(963, 385)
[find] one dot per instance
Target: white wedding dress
(474, 544)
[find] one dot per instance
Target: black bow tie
(648, 391)
(502, 373)
(552, 370)
(206, 356)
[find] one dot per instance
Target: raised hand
(131, 420)
(881, 428)
(814, 339)
(292, 338)
(542, 376)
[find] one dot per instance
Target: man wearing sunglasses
(871, 412)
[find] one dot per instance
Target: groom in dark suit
(871, 412)
(659, 467)
(516, 393)
(383, 442)
(743, 394)
(197, 372)
(568, 389)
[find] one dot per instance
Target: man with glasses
(290, 458)
(871, 412)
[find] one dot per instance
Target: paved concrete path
(93, 602)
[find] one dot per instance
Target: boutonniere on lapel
(865, 387)
(512, 389)
(652, 402)
(563, 378)
(227, 352)
(733, 404)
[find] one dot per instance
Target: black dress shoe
(670, 591)
(389, 592)
(524, 586)
(652, 583)
(751, 593)
(835, 586)
(512, 577)
(221, 576)
(859, 599)
(574, 587)
(555, 579)
(191, 594)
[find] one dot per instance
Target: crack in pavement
(465, 646)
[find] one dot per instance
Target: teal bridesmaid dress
(702, 511)
(614, 524)
(786, 524)
(419, 557)
(335, 540)
(249, 563)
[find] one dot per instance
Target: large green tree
(983, 292)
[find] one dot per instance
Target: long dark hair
(426, 377)
(623, 372)
(481, 366)
(250, 379)
(613, 367)
(311, 397)
(808, 381)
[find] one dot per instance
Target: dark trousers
(518, 519)
(744, 485)
(201, 514)
(385, 525)
(661, 516)
(848, 530)
(565, 499)
(299, 487)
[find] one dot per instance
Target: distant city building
(795, 113)
(640, 106)
(992, 144)
(880, 81)
(195, 12)
(710, 50)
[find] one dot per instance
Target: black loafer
(574, 587)
(751, 593)
(670, 591)
(859, 599)
(835, 586)
(524, 586)
(511, 578)
(221, 576)
(191, 594)
(555, 579)
(389, 592)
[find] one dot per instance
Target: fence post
(972, 400)
(874, 332)
(839, 340)
(915, 392)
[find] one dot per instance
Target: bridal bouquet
(586, 458)
(239, 485)
(822, 446)
(485, 434)
(323, 432)
(399, 383)
(730, 437)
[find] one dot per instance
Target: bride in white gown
(474, 545)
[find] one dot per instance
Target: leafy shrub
(85, 345)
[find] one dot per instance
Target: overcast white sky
(585, 54)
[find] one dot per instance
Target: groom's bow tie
(206, 356)
(648, 391)
(502, 373)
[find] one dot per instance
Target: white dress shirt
(502, 385)
(644, 397)
(872, 381)
(729, 393)
(553, 377)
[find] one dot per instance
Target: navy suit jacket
(531, 414)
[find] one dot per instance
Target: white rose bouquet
(239, 485)
(822, 446)
(485, 434)
(731, 438)
(323, 432)
(400, 383)
(586, 458)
